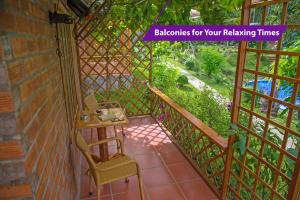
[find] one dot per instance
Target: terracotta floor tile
(131, 195)
(122, 187)
(183, 171)
(156, 177)
(140, 149)
(165, 192)
(84, 192)
(172, 157)
(95, 198)
(197, 190)
(147, 161)
(166, 147)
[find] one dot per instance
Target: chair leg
(115, 129)
(116, 134)
(99, 192)
(140, 184)
(123, 133)
(90, 184)
(92, 148)
(91, 135)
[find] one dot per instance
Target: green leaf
(292, 151)
(283, 112)
(242, 143)
(233, 126)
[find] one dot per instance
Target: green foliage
(219, 79)
(161, 48)
(205, 107)
(288, 65)
(190, 63)
(181, 56)
(164, 77)
(213, 60)
(178, 12)
(201, 104)
(177, 46)
(182, 80)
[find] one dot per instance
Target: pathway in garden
(200, 85)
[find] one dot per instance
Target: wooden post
(227, 168)
(294, 190)
(103, 148)
(236, 98)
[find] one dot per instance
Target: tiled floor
(166, 174)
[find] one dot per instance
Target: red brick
(12, 3)
(48, 192)
(15, 191)
(33, 130)
(41, 188)
(31, 85)
(48, 145)
(19, 47)
(22, 24)
(26, 7)
(48, 169)
(34, 64)
(33, 45)
(6, 102)
(33, 27)
(29, 111)
(7, 21)
(11, 150)
(15, 71)
(1, 50)
(28, 87)
(44, 113)
(31, 158)
(41, 139)
(41, 165)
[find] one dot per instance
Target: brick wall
(36, 157)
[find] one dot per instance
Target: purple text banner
(214, 33)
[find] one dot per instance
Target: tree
(213, 60)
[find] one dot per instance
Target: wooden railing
(205, 149)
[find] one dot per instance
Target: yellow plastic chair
(114, 169)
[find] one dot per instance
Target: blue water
(265, 86)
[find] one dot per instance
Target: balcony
(173, 167)
(45, 72)
(166, 173)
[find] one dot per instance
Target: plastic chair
(120, 167)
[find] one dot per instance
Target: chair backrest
(91, 102)
(84, 148)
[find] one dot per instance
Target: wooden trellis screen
(204, 148)
(115, 64)
(269, 167)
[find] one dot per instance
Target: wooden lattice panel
(269, 167)
(204, 147)
(116, 65)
